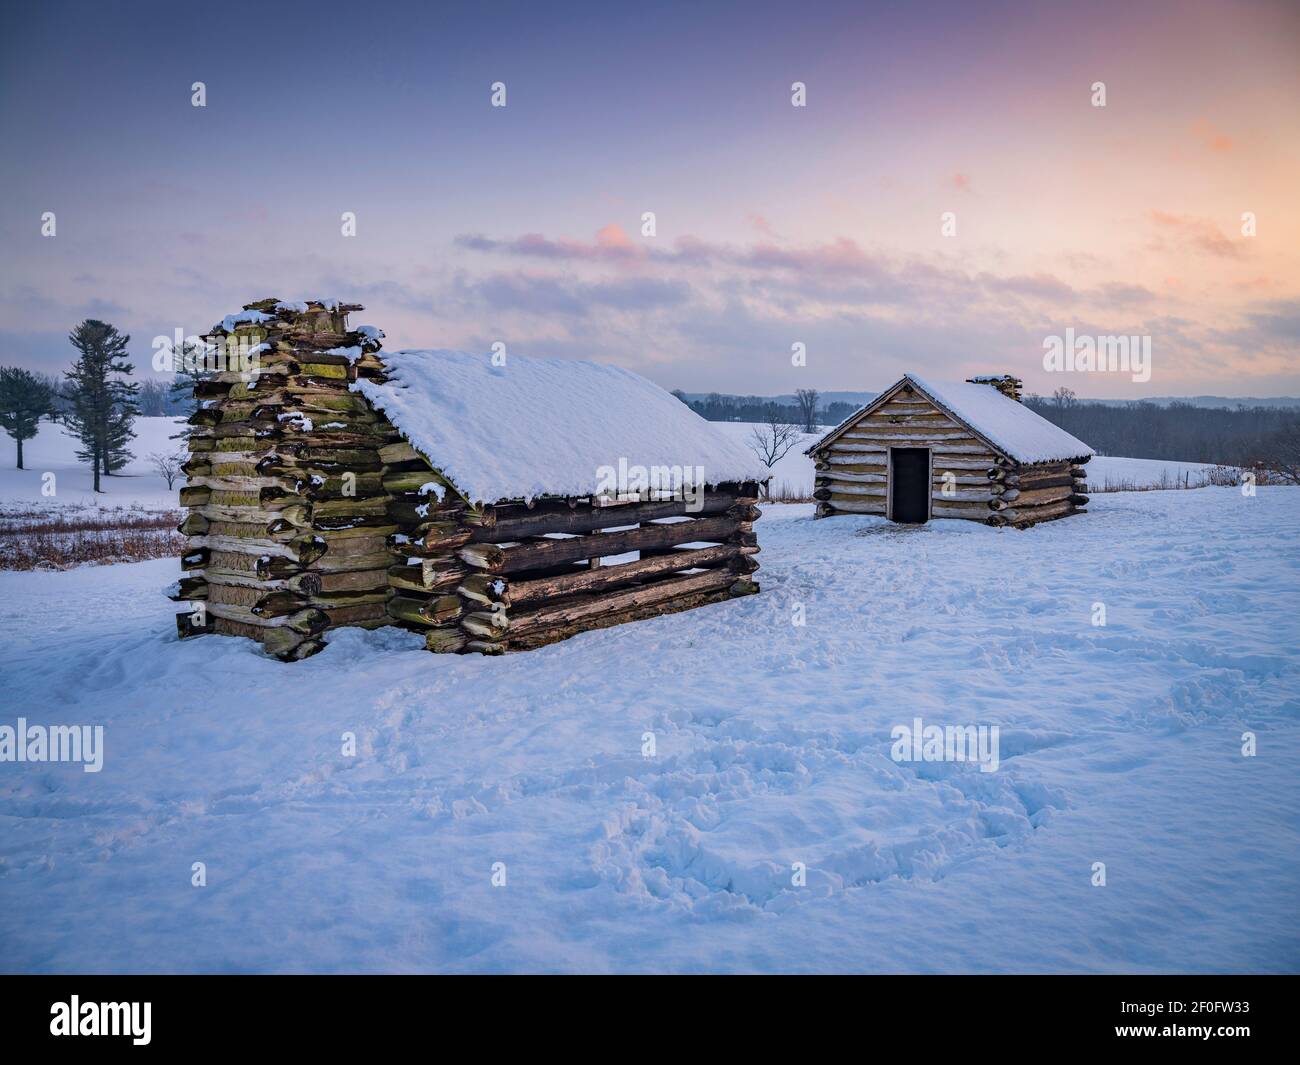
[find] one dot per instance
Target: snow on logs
(288, 516)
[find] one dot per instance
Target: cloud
(805, 268)
(612, 245)
(47, 352)
(705, 314)
(776, 279)
(1277, 320)
(1116, 293)
(544, 295)
(1215, 140)
(1043, 287)
(387, 292)
(706, 308)
(1197, 233)
(842, 256)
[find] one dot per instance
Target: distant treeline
(716, 407)
(156, 398)
(1179, 431)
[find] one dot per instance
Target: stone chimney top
(1006, 384)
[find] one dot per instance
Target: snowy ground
(793, 474)
(53, 450)
(51, 518)
(1119, 744)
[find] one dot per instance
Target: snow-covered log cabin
(924, 449)
(491, 503)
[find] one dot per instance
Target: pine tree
(120, 430)
(24, 400)
(190, 370)
(103, 406)
(153, 398)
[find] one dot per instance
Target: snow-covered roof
(1009, 426)
(545, 427)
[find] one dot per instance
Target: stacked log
(433, 521)
(1035, 493)
(287, 511)
(685, 558)
(518, 575)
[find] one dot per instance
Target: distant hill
(1227, 402)
(861, 399)
(857, 399)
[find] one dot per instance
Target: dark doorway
(909, 484)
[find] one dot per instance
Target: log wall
(513, 576)
(970, 480)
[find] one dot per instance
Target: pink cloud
(612, 238)
(611, 244)
(1198, 233)
(1215, 140)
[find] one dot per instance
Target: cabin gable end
(871, 464)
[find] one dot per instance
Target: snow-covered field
(793, 474)
(51, 518)
(53, 450)
(1119, 744)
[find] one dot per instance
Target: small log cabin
(972, 450)
(489, 507)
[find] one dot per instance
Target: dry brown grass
(785, 492)
(1214, 475)
(57, 540)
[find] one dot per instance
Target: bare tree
(1064, 398)
(1282, 454)
(168, 467)
(807, 398)
(772, 440)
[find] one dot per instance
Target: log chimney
(1006, 384)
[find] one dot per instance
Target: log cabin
(491, 504)
(971, 450)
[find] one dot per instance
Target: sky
(774, 225)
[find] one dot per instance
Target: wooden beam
(908, 434)
(535, 553)
(852, 506)
(435, 610)
(524, 592)
(588, 519)
(940, 447)
(534, 621)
